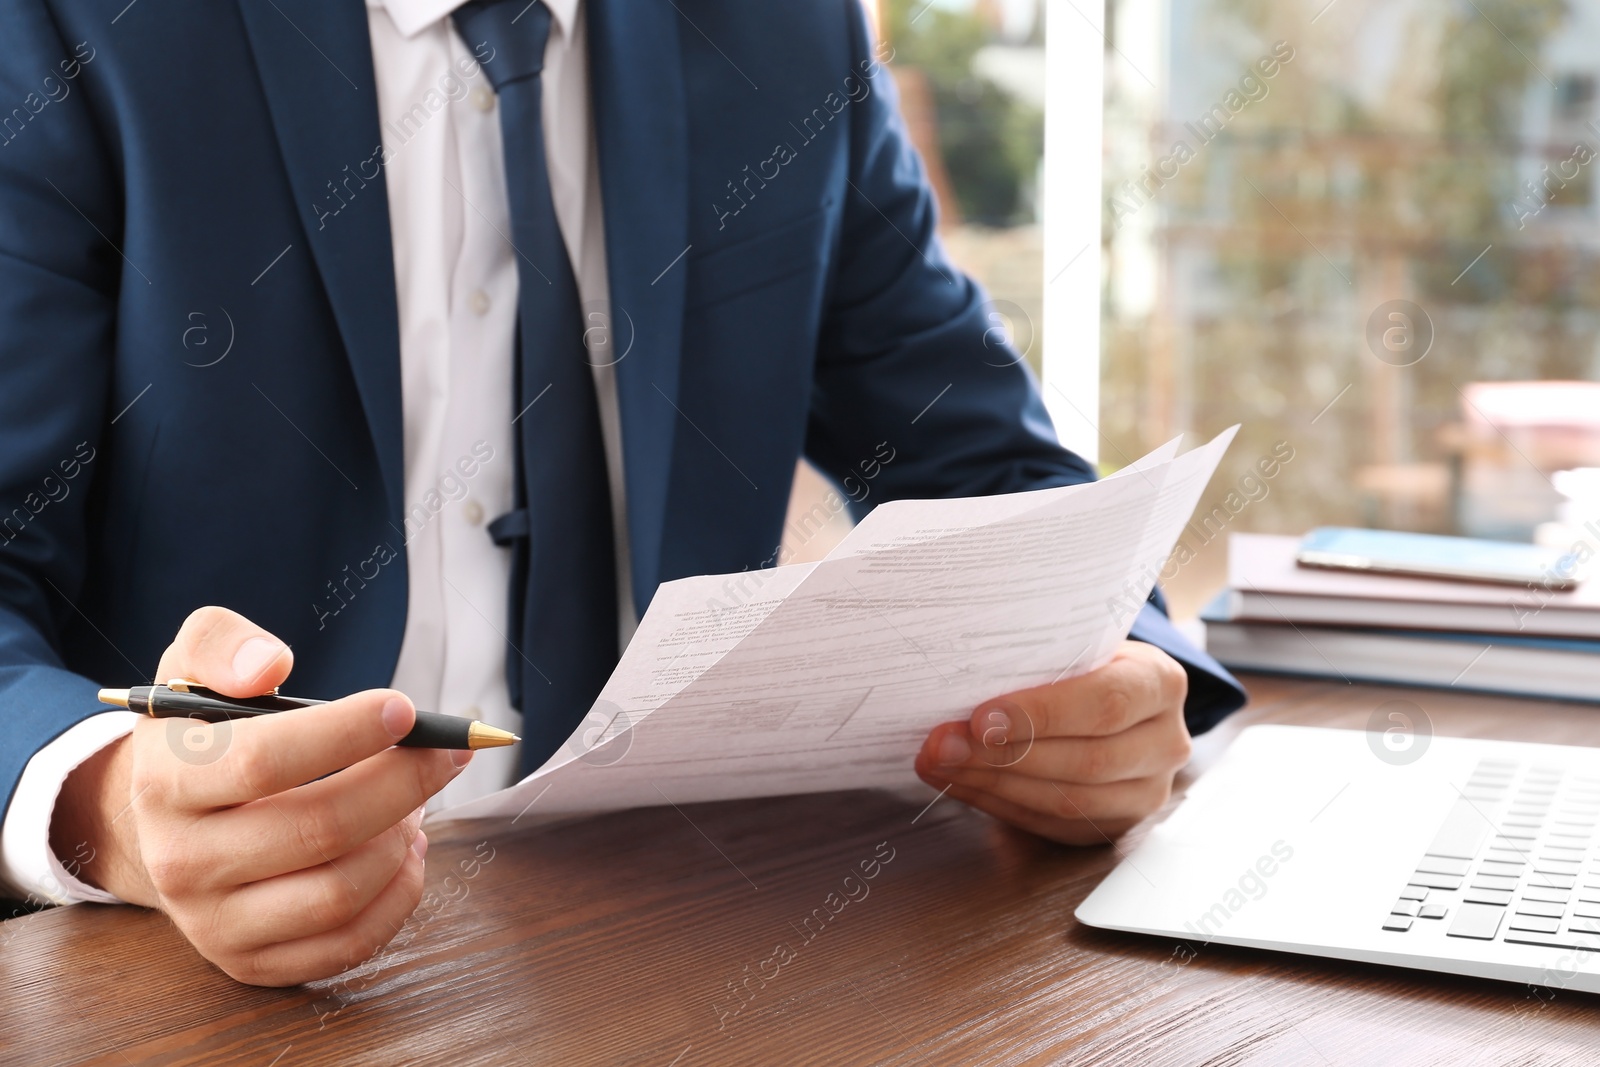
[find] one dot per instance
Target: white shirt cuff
(28, 866)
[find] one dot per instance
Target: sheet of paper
(829, 675)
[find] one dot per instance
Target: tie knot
(515, 32)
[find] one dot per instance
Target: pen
(181, 698)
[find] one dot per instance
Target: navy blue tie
(563, 613)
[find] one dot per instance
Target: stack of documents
(829, 675)
(1279, 616)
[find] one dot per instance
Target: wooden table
(621, 940)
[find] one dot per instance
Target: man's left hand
(1079, 761)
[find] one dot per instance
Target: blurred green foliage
(991, 142)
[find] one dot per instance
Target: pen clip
(187, 685)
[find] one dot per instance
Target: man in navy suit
(352, 319)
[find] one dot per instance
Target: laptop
(1446, 854)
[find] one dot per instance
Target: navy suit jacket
(154, 165)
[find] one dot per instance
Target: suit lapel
(641, 129)
(315, 62)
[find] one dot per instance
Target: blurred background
(1366, 229)
(971, 78)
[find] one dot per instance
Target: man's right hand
(287, 847)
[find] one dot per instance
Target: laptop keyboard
(1512, 861)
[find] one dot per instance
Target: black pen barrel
(172, 703)
(431, 730)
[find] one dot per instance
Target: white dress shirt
(456, 282)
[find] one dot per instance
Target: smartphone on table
(1435, 556)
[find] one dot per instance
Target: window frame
(1073, 139)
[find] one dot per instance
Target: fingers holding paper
(1079, 761)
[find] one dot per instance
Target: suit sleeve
(911, 360)
(59, 276)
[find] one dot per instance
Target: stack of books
(1280, 617)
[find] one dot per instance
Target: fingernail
(397, 717)
(953, 749)
(419, 845)
(254, 656)
(996, 727)
(461, 756)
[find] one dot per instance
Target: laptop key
(1494, 881)
(1506, 855)
(1414, 892)
(1433, 911)
(1499, 897)
(1443, 865)
(1462, 834)
(1519, 937)
(1585, 910)
(1584, 926)
(1535, 924)
(1480, 921)
(1552, 881)
(1405, 907)
(1555, 896)
(1545, 908)
(1510, 870)
(1436, 881)
(1398, 923)
(1547, 866)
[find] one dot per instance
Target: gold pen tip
(119, 697)
(482, 735)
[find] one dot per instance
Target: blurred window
(1366, 229)
(971, 77)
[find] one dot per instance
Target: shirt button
(479, 302)
(482, 99)
(472, 511)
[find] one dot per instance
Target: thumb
(225, 651)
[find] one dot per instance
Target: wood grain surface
(622, 940)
